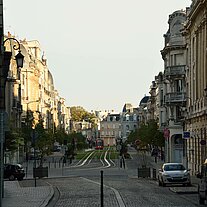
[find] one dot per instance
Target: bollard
(102, 188)
(154, 174)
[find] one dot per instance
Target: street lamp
(4, 68)
(19, 57)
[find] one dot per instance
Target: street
(80, 185)
(81, 192)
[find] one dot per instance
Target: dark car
(13, 172)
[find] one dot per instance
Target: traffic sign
(203, 142)
(166, 133)
(186, 135)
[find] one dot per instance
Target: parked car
(173, 173)
(13, 172)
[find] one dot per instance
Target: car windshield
(173, 167)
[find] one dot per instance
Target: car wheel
(11, 177)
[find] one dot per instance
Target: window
(173, 167)
(178, 85)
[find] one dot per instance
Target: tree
(60, 136)
(148, 134)
(133, 136)
(78, 113)
(44, 141)
(13, 140)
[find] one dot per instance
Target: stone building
(30, 74)
(110, 129)
(143, 111)
(196, 76)
(129, 120)
(30, 93)
(173, 83)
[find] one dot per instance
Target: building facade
(196, 75)
(129, 121)
(110, 129)
(30, 94)
(174, 86)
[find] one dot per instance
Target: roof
(144, 100)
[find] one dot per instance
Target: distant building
(143, 110)
(110, 129)
(129, 120)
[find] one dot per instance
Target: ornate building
(110, 129)
(129, 120)
(30, 93)
(174, 90)
(196, 75)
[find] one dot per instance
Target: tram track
(90, 159)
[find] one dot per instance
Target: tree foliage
(78, 113)
(44, 140)
(77, 140)
(13, 140)
(60, 136)
(148, 134)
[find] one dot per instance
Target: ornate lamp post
(5, 57)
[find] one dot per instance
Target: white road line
(118, 196)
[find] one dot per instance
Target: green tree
(13, 140)
(78, 113)
(133, 136)
(148, 134)
(44, 141)
(60, 136)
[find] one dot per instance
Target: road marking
(116, 192)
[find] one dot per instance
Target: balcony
(174, 98)
(175, 71)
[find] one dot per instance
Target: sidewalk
(17, 196)
(27, 195)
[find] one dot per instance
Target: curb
(49, 197)
(184, 190)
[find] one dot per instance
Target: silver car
(173, 173)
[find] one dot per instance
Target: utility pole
(2, 102)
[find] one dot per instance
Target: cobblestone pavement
(80, 192)
(122, 189)
(17, 196)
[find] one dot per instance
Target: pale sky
(101, 53)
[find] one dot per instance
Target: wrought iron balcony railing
(178, 70)
(176, 97)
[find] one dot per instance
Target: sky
(101, 53)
